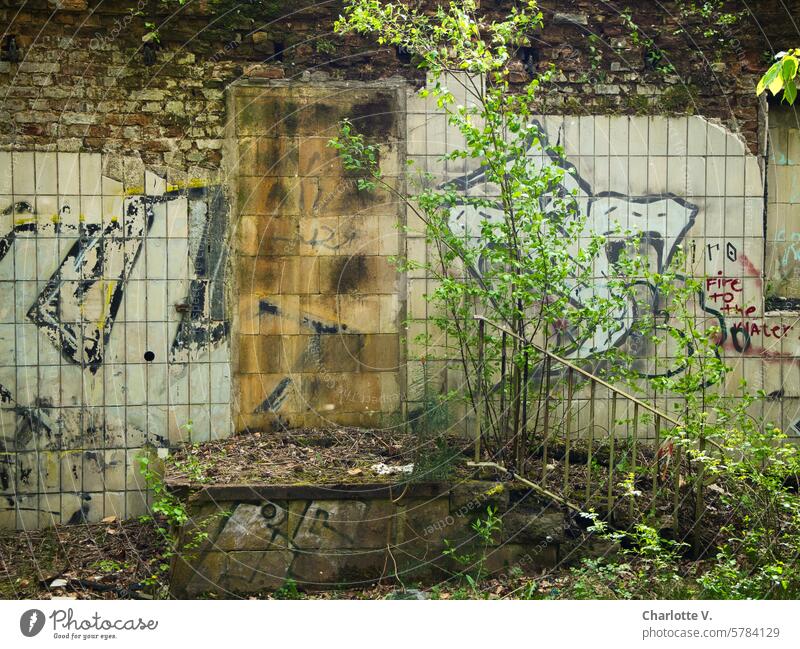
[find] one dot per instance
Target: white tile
(696, 175)
(677, 129)
(91, 209)
(753, 183)
(69, 210)
(221, 424)
(734, 175)
(696, 141)
(656, 174)
(154, 185)
(114, 384)
(657, 136)
(677, 174)
(619, 136)
(25, 258)
(220, 383)
(199, 382)
(637, 136)
(716, 139)
(46, 173)
(602, 133)
(156, 258)
(586, 126)
(135, 384)
(753, 216)
(177, 258)
(715, 176)
(91, 174)
(157, 384)
(24, 173)
(5, 173)
(177, 219)
(69, 174)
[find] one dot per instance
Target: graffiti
(207, 289)
(662, 221)
(791, 253)
(311, 353)
(323, 237)
(92, 260)
(731, 253)
(80, 302)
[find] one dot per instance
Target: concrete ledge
(245, 539)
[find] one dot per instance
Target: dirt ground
(110, 560)
(319, 456)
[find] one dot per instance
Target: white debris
(384, 469)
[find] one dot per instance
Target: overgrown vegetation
(715, 511)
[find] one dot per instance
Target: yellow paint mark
(55, 218)
(81, 218)
(24, 219)
(109, 290)
(194, 183)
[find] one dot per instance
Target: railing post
(546, 415)
(481, 388)
(567, 428)
(655, 463)
(699, 505)
(612, 435)
(590, 440)
(633, 450)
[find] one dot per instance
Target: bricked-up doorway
(319, 302)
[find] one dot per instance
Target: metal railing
(653, 460)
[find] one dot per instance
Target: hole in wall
(279, 47)
(149, 356)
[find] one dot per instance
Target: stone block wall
(317, 334)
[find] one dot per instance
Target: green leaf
(788, 68)
(790, 92)
(769, 76)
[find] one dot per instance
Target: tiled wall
(113, 329)
(116, 286)
(783, 205)
(317, 337)
(686, 179)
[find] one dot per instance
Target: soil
(317, 456)
(110, 560)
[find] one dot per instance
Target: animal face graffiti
(659, 221)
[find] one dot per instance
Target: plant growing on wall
(781, 76)
(520, 250)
